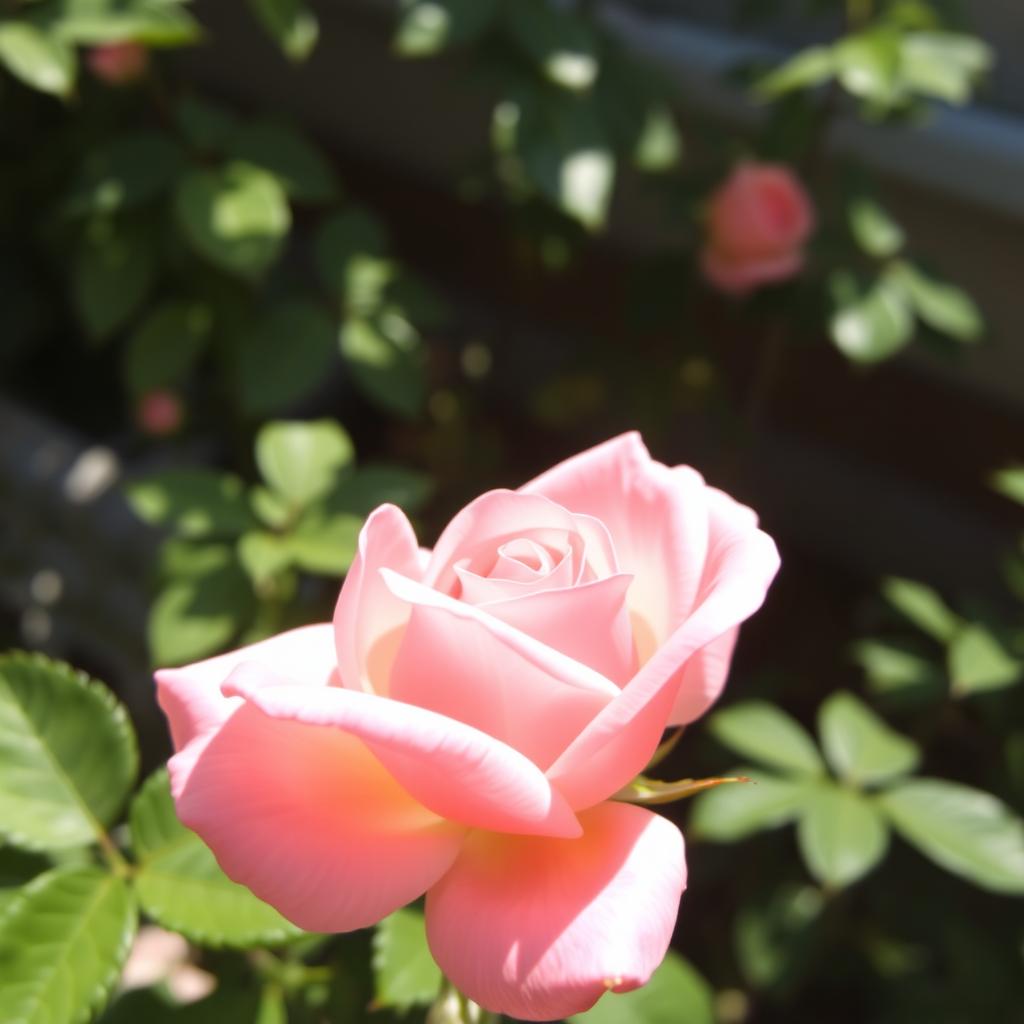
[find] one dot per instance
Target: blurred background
(423, 248)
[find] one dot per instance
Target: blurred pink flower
(758, 222)
(118, 63)
(159, 413)
(463, 725)
(159, 956)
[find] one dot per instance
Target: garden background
(266, 265)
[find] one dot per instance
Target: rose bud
(159, 413)
(757, 225)
(118, 64)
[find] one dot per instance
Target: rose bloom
(159, 413)
(758, 222)
(462, 727)
(118, 63)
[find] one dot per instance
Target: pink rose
(159, 413)
(758, 223)
(463, 725)
(118, 63)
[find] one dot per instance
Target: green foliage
(39, 59)
(728, 813)
(429, 26)
(236, 216)
(192, 502)
(760, 730)
(923, 607)
(962, 829)
(301, 461)
(676, 992)
(860, 747)
(167, 345)
(67, 754)
(62, 943)
(180, 886)
(404, 971)
(292, 24)
(842, 836)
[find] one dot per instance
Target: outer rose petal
(190, 696)
(615, 746)
(461, 662)
(366, 614)
(703, 679)
(737, 275)
(456, 771)
(657, 518)
(309, 820)
(540, 929)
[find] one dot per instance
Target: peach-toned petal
(458, 772)
(590, 623)
(190, 696)
(366, 614)
(615, 746)
(540, 929)
(657, 518)
(460, 661)
(309, 819)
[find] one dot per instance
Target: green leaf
(429, 26)
(302, 169)
(760, 730)
(350, 252)
(923, 607)
(386, 359)
(237, 217)
(62, 944)
(676, 994)
(324, 543)
(37, 58)
(1009, 482)
(875, 326)
(978, 662)
(809, 68)
(112, 273)
(263, 555)
(873, 229)
(155, 23)
(67, 754)
(841, 834)
(776, 937)
(944, 65)
(371, 486)
(562, 44)
(894, 671)
(124, 173)
(859, 746)
(659, 145)
(404, 972)
(181, 887)
(283, 355)
(198, 615)
(728, 813)
(943, 307)
(292, 24)
(192, 502)
(167, 345)
(868, 65)
(207, 126)
(302, 460)
(964, 830)
(272, 1008)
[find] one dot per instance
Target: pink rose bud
(472, 708)
(118, 63)
(159, 413)
(758, 223)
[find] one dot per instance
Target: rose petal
(190, 696)
(703, 679)
(615, 746)
(460, 661)
(511, 578)
(309, 819)
(454, 770)
(589, 623)
(367, 618)
(657, 518)
(540, 929)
